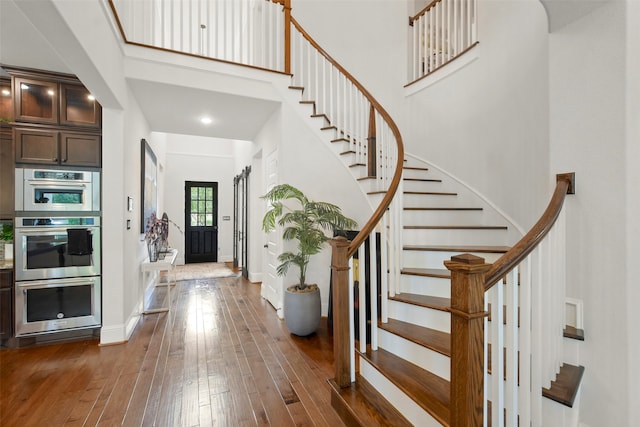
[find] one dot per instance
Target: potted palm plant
(306, 224)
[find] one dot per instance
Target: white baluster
(362, 299)
(373, 288)
(511, 344)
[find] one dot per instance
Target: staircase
(407, 373)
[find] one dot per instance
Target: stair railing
(527, 319)
(442, 31)
(357, 119)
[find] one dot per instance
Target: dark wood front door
(201, 221)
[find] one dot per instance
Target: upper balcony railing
(442, 31)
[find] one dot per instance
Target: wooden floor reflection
(219, 358)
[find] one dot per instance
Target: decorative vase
(152, 247)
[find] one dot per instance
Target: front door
(201, 221)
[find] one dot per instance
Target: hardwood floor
(220, 357)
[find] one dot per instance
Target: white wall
(193, 158)
(633, 204)
(588, 87)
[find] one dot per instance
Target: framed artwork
(148, 182)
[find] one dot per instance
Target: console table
(165, 264)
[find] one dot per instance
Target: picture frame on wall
(148, 183)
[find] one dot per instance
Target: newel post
(287, 36)
(340, 294)
(467, 339)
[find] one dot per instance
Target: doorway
(201, 221)
(241, 222)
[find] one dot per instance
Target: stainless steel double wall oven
(58, 251)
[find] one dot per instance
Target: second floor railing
(442, 31)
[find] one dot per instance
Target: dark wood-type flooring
(220, 357)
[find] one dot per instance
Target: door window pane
(201, 206)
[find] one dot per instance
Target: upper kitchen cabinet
(6, 101)
(35, 100)
(78, 107)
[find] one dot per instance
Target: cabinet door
(79, 149)
(78, 107)
(6, 304)
(35, 100)
(6, 101)
(6, 174)
(36, 146)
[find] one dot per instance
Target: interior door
(201, 221)
(241, 222)
(272, 283)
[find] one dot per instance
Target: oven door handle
(48, 184)
(56, 283)
(44, 230)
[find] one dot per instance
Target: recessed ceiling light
(51, 92)
(206, 120)
(91, 97)
(24, 86)
(6, 92)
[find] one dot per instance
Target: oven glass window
(55, 250)
(58, 303)
(59, 196)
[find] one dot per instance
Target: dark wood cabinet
(35, 100)
(6, 304)
(36, 146)
(6, 101)
(51, 147)
(79, 149)
(7, 176)
(78, 107)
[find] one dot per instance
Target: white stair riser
(411, 410)
(449, 217)
(454, 237)
(422, 285)
(426, 358)
(434, 200)
(421, 316)
(435, 259)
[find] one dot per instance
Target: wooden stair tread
(428, 301)
(355, 165)
(344, 153)
(430, 208)
(296, 87)
(340, 140)
(573, 333)
(422, 179)
(361, 404)
(377, 192)
(366, 177)
(430, 193)
(414, 168)
(441, 273)
(565, 387)
(329, 128)
(426, 337)
(428, 390)
(461, 249)
(455, 227)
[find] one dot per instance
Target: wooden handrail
(565, 184)
(395, 182)
(424, 10)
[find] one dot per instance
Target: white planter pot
(302, 312)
